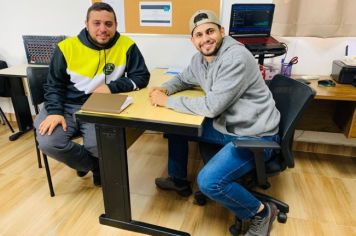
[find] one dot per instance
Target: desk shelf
(333, 144)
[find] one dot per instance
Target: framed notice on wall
(156, 14)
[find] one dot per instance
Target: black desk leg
(115, 184)
(21, 107)
(261, 59)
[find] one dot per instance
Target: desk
(18, 98)
(331, 105)
(112, 145)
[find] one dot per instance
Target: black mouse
(326, 83)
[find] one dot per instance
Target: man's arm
(226, 89)
(180, 82)
(183, 81)
(137, 74)
(54, 96)
(56, 84)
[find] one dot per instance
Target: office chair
(36, 77)
(292, 98)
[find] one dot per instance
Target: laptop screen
(251, 19)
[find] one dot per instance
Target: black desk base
(112, 146)
(16, 135)
(141, 227)
(21, 107)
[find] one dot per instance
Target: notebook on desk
(251, 25)
(106, 103)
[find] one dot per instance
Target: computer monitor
(40, 48)
(251, 19)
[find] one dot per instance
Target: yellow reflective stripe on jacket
(86, 70)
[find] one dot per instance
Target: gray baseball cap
(202, 17)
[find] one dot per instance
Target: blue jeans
(217, 178)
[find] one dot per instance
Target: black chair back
(292, 98)
(37, 77)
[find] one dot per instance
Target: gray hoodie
(236, 96)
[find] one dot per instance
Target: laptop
(251, 25)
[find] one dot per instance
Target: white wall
(20, 17)
(42, 17)
(66, 17)
(165, 50)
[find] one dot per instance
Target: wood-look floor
(321, 192)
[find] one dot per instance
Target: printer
(344, 72)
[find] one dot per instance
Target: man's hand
(102, 89)
(152, 89)
(158, 97)
(50, 123)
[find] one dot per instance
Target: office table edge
(147, 124)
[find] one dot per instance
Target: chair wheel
(282, 217)
(200, 198)
(265, 186)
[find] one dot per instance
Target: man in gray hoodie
(237, 105)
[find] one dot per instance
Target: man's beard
(213, 53)
(100, 45)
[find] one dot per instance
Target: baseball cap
(202, 17)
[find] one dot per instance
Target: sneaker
(82, 173)
(169, 183)
(262, 226)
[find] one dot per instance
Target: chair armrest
(255, 144)
(257, 147)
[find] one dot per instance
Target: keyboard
(40, 48)
(257, 40)
(264, 46)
